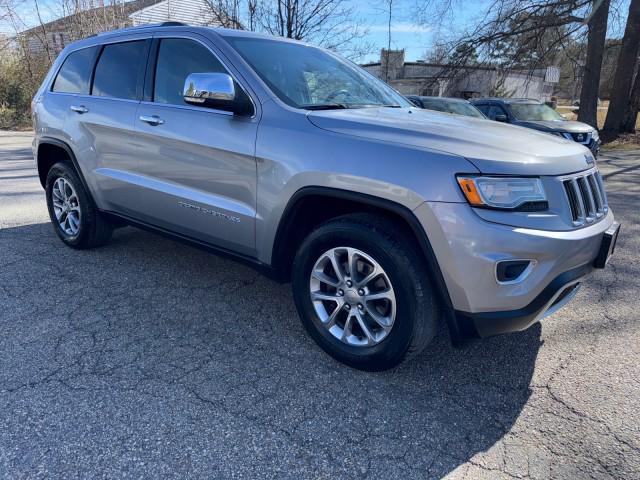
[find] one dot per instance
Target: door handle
(151, 119)
(79, 108)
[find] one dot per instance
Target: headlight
(557, 134)
(503, 192)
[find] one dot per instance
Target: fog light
(513, 271)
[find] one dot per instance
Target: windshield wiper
(325, 106)
(340, 106)
(376, 105)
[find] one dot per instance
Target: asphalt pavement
(151, 359)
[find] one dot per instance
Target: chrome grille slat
(595, 190)
(586, 197)
(573, 199)
(582, 215)
(603, 192)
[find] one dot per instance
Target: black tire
(416, 306)
(94, 230)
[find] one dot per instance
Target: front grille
(586, 196)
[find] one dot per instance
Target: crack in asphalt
(134, 361)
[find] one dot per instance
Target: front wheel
(363, 293)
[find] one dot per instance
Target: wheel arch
(300, 217)
(52, 150)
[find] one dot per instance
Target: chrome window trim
(190, 107)
(92, 97)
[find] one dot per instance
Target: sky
(406, 32)
(416, 37)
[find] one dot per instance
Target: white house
(193, 12)
(50, 38)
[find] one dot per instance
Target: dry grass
(602, 115)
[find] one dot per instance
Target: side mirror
(215, 90)
(501, 117)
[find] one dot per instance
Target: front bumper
(594, 146)
(553, 297)
(468, 249)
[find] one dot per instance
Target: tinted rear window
(119, 69)
(75, 74)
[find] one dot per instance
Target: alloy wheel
(66, 206)
(353, 296)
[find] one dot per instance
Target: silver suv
(387, 219)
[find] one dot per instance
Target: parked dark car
(538, 116)
(459, 106)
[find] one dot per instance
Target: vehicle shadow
(211, 340)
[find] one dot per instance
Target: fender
(288, 217)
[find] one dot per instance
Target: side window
(119, 70)
(494, 111)
(483, 108)
(177, 58)
(75, 74)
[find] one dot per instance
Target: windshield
(534, 111)
(459, 108)
(311, 78)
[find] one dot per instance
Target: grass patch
(602, 115)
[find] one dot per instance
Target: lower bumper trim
(555, 295)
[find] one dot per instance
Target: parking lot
(148, 358)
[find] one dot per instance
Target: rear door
(70, 86)
(101, 124)
(197, 170)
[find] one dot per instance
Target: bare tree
(226, 13)
(525, 33)
(35, 42)
(329, 23)
(627, 61)
(597, 22)
(629, 124)
(252, 13)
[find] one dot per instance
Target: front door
(196, 166)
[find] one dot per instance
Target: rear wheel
(73, 214)
(363, 293)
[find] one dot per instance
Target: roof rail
(145, 26)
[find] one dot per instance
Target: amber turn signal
(470, 191)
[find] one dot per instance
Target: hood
(492, 147)
(555, 125)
